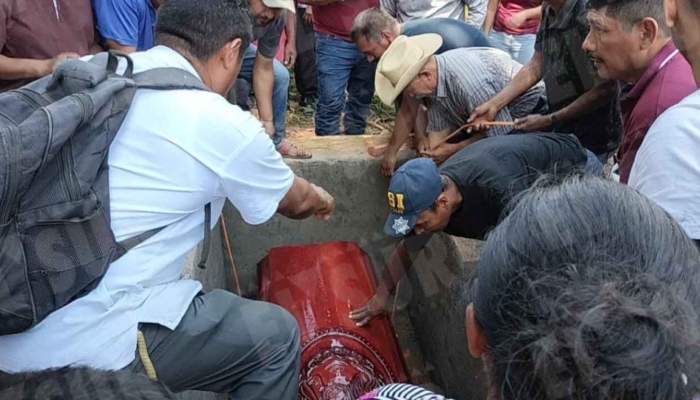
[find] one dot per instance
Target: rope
(230, 255)
(145, 358)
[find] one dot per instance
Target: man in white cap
(451, 85)
(267, 77)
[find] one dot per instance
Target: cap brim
(281, 4)
(399, 225)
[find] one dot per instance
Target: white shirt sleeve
(255, 178)
(667, 166)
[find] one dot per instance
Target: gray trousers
(227, 344)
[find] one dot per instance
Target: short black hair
(81, 384)
(587, 290)
(203, 27)
(370, 24)
(631, 12)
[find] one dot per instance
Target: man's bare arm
(526, 78)
(112, 45)
(263, 84)
(26, 68)
(490, 15)
(305, 199)
(589, 102)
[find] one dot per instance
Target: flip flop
(287, 146)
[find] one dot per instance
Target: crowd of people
(588, 287)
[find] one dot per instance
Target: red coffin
(320, 285)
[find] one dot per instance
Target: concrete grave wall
(430, 306)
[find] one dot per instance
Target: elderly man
(451, 85)
(464, 197)
(374, 30)
(667, 166)
(36, 35)
(629, 42)
(579, 102)
(267, 77)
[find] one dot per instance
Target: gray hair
(371, 23)
(631, 12)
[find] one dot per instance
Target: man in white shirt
(176, 152)
(667, 166)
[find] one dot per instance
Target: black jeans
(305, 73)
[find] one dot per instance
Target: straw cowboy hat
(403, 61)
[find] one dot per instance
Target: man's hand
(534, 123)
(441, 153)
(328, 204)
(486, 112)
(290, 54)
(388, 164)
(375, 307)
(308, 15)
(517, 20)
(269, 128)
(56, 61)
(422, 144)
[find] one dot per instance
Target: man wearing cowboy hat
(451, 85)
(373, 32)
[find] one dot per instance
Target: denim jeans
(342, 67)
(520, 47)
(280, 92)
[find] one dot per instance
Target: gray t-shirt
(411, 10)
(269, 35)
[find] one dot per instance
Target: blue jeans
(341, 66)
(520, 47)
(280, 92)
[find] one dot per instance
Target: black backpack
(55, 237)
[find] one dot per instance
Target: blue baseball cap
(413, 189)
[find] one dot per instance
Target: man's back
(175, 152)
(455, 34)
(490, 172)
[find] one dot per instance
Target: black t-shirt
(569, 73)
(492, 171)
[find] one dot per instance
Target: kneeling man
(466, 196)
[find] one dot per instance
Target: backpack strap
(171, 79)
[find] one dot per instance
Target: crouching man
(466, 196)
(450, 85)
(177, 151)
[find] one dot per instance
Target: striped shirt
(401, 391)
(469, 77)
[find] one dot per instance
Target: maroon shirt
(666, 81)
(38, 30)
(336, 18)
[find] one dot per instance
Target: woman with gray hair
(587, 290)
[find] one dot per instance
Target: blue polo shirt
(127, 22)
(455, 34)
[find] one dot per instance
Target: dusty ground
(300, 124)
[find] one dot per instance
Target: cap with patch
(413, 189)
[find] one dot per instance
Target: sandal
(288, 150)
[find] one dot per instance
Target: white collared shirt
(175, 152)
(667, 166)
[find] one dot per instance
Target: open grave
(430, 305)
